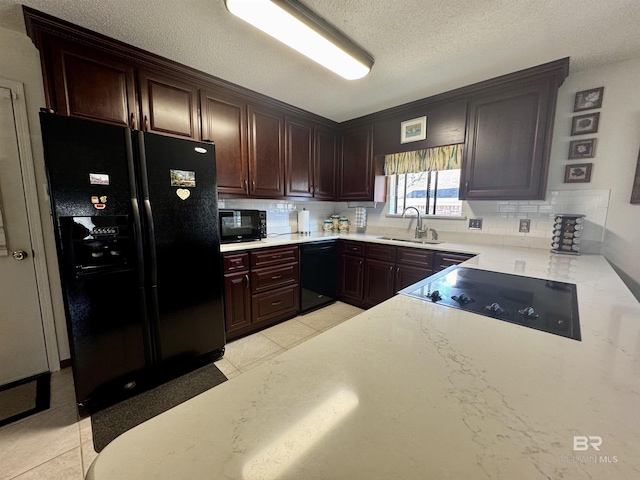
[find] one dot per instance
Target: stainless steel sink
(411, 240)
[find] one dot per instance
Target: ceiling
(421, 47)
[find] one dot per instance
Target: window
(432, 193)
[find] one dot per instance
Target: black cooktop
(536, 303)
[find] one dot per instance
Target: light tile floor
(57, 445)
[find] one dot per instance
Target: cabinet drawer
(414, 256)
(275, 304)
(381, 252)
(352, 248)
(271, 277)
(444, 259)
(234, 262)
(273, 256)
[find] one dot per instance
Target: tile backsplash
(282, 215)
(500, 218)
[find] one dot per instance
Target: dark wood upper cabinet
(224, 122)
(299, 158)
(509, 134)
(445, 126)
(88, 84)
(325, 159)
(311, 157)
(169, 106)
(355, 179)
(266, 154)
(507, 130)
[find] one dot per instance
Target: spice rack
(567, 231)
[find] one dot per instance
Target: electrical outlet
(525, 225)
(475, 224)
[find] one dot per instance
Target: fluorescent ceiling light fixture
(294, 25)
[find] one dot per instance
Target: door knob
(19, 255)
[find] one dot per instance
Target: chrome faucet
(419, 228)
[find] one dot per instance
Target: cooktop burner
(536, 303)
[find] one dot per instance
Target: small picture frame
(582, 148)
(413, 130)
(578, 173)
(588, 99)
(583, 124)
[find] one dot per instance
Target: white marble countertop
(295, 238)
(414, 390)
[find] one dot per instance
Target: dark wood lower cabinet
(407, 275)
(351, 278)
(261, 288)
(276, 304)
(371, 273)
(237, 301)
(442, 260)
(378, 281)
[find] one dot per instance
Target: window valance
(438, 158)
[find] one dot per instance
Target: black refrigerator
(136, 222)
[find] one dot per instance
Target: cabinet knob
(253, 185)
(246, 277)
(132, 121)
(466, 186)
(146, 123)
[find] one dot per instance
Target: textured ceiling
(421, 47)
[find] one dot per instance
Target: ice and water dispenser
(96, 244)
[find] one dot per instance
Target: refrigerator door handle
(150, 349)
(135, 208)
(148, 213)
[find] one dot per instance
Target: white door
(23, 351)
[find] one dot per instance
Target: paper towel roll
(304, 222)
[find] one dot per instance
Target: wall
(20, 62)
(615, 161)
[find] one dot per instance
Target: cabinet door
(224, 122)
(237, 301)
(92, 85)
(351, 276)
(379, 281)
(299, 158)
(508, 141)
(406, 275)
(266, 156)
(325, 160)
(356, 164)
(169, 105)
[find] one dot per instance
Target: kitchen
(618, 143)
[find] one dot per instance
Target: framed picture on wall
(582, 148)
(578, 173)
(585, 123)
(588, 99)
(413, 130)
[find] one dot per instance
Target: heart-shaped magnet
(183, 193)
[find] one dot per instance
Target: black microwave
(242, 225)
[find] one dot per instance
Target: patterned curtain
(438, 158)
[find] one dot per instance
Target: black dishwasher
(319, 274)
